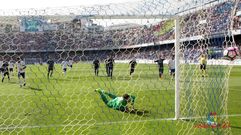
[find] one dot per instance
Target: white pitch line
(73, 125)
(234, 115)
(105, 123)
(231, 115)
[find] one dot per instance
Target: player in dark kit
(50, 68)
(106, 66)
(133, 64)
(160, 66)
(5, 71)
(110, 63)
(96, 64)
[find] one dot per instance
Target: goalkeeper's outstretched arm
(133, 98)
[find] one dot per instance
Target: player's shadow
(139, 112)
(12, 82)
(235, 127)
(62, 80)
(35, 89)
(122, 78)
(189, 120)
(105, 76)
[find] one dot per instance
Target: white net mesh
(64, 102)
(206, 89)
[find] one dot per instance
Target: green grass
(69, 105)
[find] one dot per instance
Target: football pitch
(69, 105)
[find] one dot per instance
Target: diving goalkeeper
(117, 103)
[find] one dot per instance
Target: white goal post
(177, 58)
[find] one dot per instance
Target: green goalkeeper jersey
(119, 103)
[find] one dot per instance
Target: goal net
(127, 68)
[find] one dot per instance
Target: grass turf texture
(69, 105)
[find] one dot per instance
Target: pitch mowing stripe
(105, 123)
(22, 94)
(79, 93)
(235, 90)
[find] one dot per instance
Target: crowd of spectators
(213, 20)
(203, 22)
(69, 38)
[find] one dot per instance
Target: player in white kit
(71, 63)
(11, 67)
(171, 65)
(21, 72)
(64, 65)
(1, 64)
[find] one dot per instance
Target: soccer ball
(231, 53)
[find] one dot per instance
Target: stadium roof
(141, 9)
(122, 26)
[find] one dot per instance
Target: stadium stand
(72, 36)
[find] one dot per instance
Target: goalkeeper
(117, 103)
